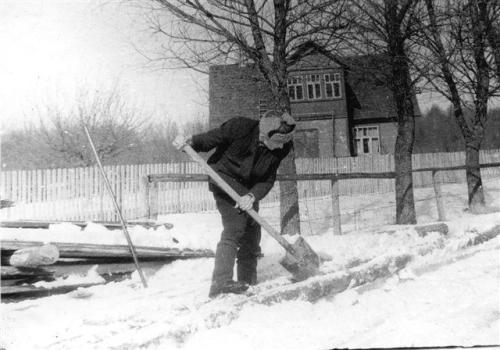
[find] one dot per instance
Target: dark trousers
(239, 240)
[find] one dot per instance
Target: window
(295, 88)
(332, 85)
(367, 139)
(306, 143)
(313, 86)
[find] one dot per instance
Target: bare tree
(112, 122)
(24, 149)
(387, 28)
(195, 126)
(157, 143)
(492, 28)
(263, 33)
(462, 44)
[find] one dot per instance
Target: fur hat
(276, 129)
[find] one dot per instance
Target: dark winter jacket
(240, 159)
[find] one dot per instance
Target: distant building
(343, 106)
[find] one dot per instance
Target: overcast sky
(53, 48)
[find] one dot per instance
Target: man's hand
(246, 202)
(180, 141)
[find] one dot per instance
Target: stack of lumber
(27, 262)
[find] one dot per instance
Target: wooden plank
(312, 176)
(99, 188)
(39, 186)
(82, 224)
(77, 250)
(120, 183)
(280, 177)
(153, 201)
(104, 268)
(52, 195)
(11, 272)
(23, 188)
(12, 293)
(423, 230)
(31, 186)
(62, 269)
(3, 183)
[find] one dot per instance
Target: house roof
(312, 55)
(367, 89)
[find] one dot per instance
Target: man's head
(276, 129)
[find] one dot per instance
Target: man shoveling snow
(247, 156)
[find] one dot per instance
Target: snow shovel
(300, 259)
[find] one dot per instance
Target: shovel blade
(303, 262)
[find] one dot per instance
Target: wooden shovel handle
(236, 197)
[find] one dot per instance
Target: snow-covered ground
(449, 296)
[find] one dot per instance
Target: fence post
(336, 206)
(439, 196)
(153, 201)
(144, 183)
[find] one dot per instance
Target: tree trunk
(472, 147)
(405, 205)
(402, 92)
(473, 174)
(289, 198)
(289, 195)
(475, 137)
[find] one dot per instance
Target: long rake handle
(118, 210)
(236, 197)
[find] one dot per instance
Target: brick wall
(325, 135)
(341, 139)
(388, 133)
(234, 91)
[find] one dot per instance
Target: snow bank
(446, 295)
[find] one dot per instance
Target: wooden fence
(80, 194)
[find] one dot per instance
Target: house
(343, 107)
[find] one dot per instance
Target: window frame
(295, 85)
(336, 81)
(363, 137)
(314, 84)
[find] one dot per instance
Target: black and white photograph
(249, 174)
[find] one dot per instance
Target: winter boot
(227, 287)
(247, 274)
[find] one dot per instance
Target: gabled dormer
(315, 83)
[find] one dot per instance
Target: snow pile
(189, 234)
(447, 294)
(446, 297)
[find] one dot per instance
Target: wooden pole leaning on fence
(118, 210)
